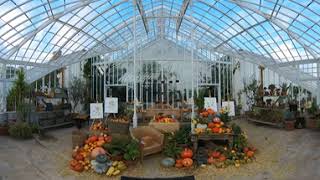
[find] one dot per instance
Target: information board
(211, 102)
(111, 105)
(96, 110)
(230, 106)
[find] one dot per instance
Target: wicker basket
(165, 127)
(118, 127)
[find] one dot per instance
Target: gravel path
(282, 155)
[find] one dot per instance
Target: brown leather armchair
(150, 140)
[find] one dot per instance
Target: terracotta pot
(289, 125)
(4, 131)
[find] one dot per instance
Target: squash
(178, 165)
(167, 162)
(100, 143)
(100, 138)
(245, 150)
(100, 168)
(250, 154)
(73, 163)
(215, 130)
(210, 111)
(101, 158)
(79, 157)
(216, 120)
(96, 151)
(222, 158)
(186, 153)
(215, 154)
(78, 167)
(93, 139)
(211, 125)
(187, 162)
(211, 160)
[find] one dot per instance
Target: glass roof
(37, 31)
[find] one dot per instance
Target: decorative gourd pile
(215, 125)
(185, 159)
(164, 119)
(92, 156)
(98, 126)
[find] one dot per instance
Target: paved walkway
(282, 155)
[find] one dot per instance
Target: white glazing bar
(219, 87)
(192, 68)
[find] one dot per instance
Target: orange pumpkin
(250, 154)
(178, 161)
(211, 160)
(210, 111)
(79, 167)
(211, 125)
(178, 165)
(101, 138)
(204, 114)
(215, 130)
(186, 153)
(108, 139)
(79, 157)
(93, 139)
(187, 162)
(73, 163)
(245, 150)
(222, 158)
(100, 143)
(215, 154)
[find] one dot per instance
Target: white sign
(230, 106)
(96, 110)
(211, 102)
(111, 105)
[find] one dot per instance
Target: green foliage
(173, 140)
(183, 135)
(172, 150)
(34, 128)
(199, 99)
(132, 151)
(314, 108)
(117, 146)
(77, 91)
(19, 90)
(239, 141)
(23, 111)
(250, 91)
(20, 130)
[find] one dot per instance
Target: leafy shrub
(132, 151)
(20, 130)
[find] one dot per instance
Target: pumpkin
(108, 139)
(179, 161)
(178, 165)
(222, 158)
(215, 154)
(167, 162)
(73, 163)
(204, 114)
(74, 154)
(100, 138)
(211, 160)
(217, 125)
(96, 151)
(79, 157)
(93, 139)
(211, 125)
(216, 119)
(245, 150)
(186, 153)
(187, 162)
(78, 167)
(210, 111)
(250, 154)
(215, 130)
(100, 142)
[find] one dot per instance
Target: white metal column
(135, 120)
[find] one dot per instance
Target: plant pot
(311, 123)
(4, 131)
(289, 125)
(131, 162)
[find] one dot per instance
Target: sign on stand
(111, 105)
(211, 102)
(96, 111)
(229, 105)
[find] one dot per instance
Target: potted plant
(284, 89)
(289, 120)
(311, 119)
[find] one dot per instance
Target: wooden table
(211, 137)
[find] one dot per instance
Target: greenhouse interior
(160, 89)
